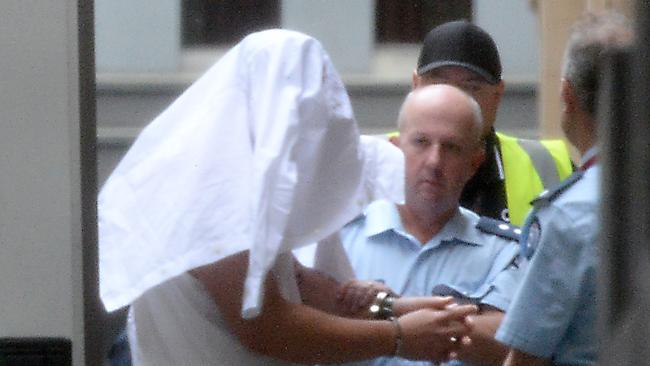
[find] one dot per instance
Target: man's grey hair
(476, 111)
(591, 38)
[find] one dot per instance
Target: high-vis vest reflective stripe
(530, 166)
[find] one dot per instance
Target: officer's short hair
(592, 36)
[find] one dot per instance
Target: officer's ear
(499, 89)
(416, 80)
(478, 157)
(394, 139)
(568, 96)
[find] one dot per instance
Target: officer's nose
(434, 156)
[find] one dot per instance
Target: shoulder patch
(551, 194)
(499, 228)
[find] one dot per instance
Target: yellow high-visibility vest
(530, 167)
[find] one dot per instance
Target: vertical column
(41, 231)
(91, 324)
(345, 27)
(556, 17)
(625, 275)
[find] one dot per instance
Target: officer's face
(441, 146)
(487, 95)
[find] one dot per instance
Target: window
(410, 20)
(217, 22)
(224, 22)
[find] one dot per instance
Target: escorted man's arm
(518, 358)
(304, 334)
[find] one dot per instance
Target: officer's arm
(484, 349)
(518, 358)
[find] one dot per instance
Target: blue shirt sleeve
(547, 299)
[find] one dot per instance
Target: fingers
(459, 312)
(435, 335)
(348, 298)
(440, 302)
(454, 319)
(455, 345)
(365, 299)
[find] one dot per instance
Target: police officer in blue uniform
(429, 245)
(552, 317)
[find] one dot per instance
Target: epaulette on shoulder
(551, 194)
(499, 228)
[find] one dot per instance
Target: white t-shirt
(178, 323)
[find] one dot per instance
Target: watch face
(532, 240)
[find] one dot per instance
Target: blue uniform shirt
(554, 311)
(473, 261)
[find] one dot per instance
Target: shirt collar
(592, 152)
(382, 216)
(462, 226)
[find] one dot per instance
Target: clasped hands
(433, 327)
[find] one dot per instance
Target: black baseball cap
(460, 43)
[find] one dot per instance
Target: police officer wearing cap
(551, 320)
(515, 170)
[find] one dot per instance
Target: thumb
(440, 302)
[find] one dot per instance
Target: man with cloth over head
(515, 170)
(552, 317)
(257, 157)
(430, 245)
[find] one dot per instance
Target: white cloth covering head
(261, 153)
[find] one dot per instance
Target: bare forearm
(518, 358)
(317, 290)
(306, 335)
(484, 349)
(291, 332)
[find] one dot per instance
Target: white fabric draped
(262, 153)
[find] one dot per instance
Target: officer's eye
(420, 141)
(452, 147)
